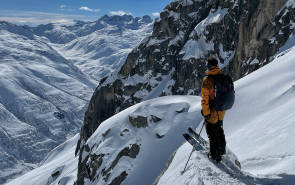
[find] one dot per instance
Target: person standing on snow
(213, 118)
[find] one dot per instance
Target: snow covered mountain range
(135, 145)
(47, 76)
(127, 136)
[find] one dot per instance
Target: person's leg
(211, 130)
(221, 138)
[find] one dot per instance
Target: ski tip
(185, 135)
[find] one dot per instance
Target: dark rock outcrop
(93, 162)
(138, 121)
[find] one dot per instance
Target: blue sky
(35, 12)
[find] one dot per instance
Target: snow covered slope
(41, 103)
(134, 145)
(59, 167)
(261, 124)
(47, 76)
(101, 47)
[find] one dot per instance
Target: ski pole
(192, 150)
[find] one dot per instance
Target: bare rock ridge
(244, 35)
(255, 32)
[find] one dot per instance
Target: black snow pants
(217, 139)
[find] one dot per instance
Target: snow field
(260, 127)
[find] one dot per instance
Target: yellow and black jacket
(208, 93)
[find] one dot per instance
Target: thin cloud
(85, 8)
(37, 21)
(120, 12)
(63, 6)
(35, 18)
(156, 14)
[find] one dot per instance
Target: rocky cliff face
(265, 29)
(243, 34)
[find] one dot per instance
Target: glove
(207, 117)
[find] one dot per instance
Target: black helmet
(212, 61)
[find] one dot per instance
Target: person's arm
(205, 98)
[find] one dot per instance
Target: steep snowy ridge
(43, 88)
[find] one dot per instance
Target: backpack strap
(213, 77)
(211, 104)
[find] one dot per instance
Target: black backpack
(224, 92)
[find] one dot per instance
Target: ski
(197, 146)
(197, 136)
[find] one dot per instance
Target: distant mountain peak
(125, 20)
(147, 19)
